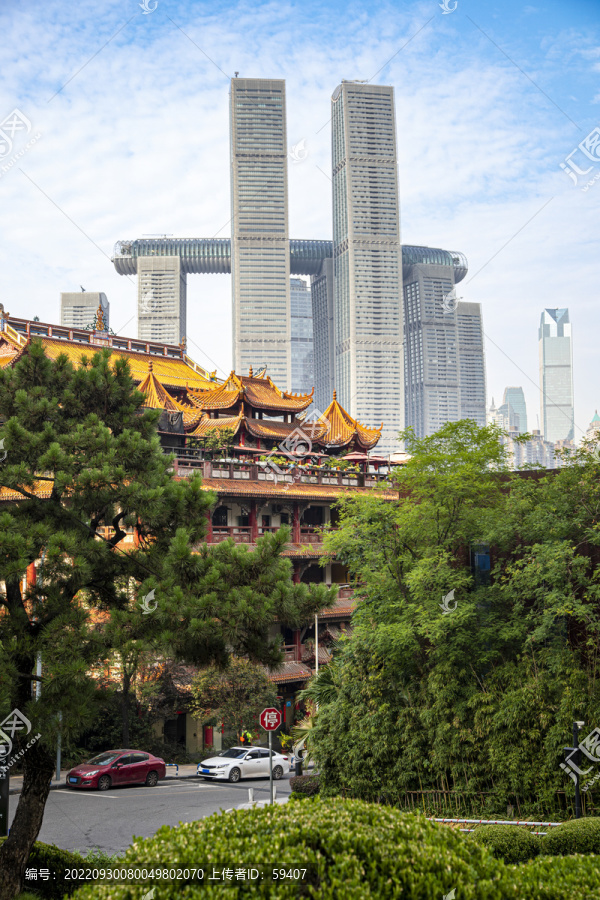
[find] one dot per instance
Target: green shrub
(512, 843)
(578, 836)
(554, 878)
(351, 850)
(48, 856)
(306, 784)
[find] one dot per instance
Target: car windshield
(234, 753)
(104, 759)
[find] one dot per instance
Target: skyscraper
(321, 290)
(259, 218)
(444, 362)
(78, 308)
(302, 337)
(515, 398)
(471, 362)
(556, 375)
(369, 369)
(162, 299)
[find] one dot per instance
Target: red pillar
(296, 523)
(296, 574)
(253, 522)
(209, 531)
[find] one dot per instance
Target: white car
(242, 762)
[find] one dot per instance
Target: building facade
(78, 308)
(260, 264)
(443, 336)
(556, 375)
(321, 290)
(301, 325)
(367, 258)
(162, 299)
(515, 399)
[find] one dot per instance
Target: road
(108, 820)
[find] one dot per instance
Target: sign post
(4, 793)
(270, 720)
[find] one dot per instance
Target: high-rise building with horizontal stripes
(369, 369)
(260, 264)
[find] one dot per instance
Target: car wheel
(152, 779)
(277, 773)
(235, 775)
(104, 783)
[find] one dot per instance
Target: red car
(117, 767)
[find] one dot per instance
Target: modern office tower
(259, 244)
(78, 309)
(515, 398)
(301, 324)
(162, 291)
(556, 375)
(431, 341)
(369, 369)
(321, 290)
(471, 362)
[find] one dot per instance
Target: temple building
(267, 460)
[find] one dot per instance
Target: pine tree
(84, 465)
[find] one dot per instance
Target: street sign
(270, 719)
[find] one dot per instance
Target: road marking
(99, 796)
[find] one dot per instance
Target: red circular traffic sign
(270, 718)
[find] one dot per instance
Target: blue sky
(132, 116)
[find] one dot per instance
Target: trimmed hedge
(351, 850)
(48, 856)
(577, 836)
(555, 878)
(306, 784)
(512, 843)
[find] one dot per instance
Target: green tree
(235, 695)
(83, 456)
(474, 692)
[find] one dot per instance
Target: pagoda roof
(156, 396)
(258, 391)
(207, 424)
(596, 418)
(342, 428)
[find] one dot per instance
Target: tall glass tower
(515, 399)
(369, 370)
(556, 375)
(260, 264)
(302, 337)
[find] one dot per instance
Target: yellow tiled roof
(157, 397)
(41, 489)
(342, 428)
(260, 392)
(207, 424)
(298, 490)
(172, 373)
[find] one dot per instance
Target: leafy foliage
(305, 784)
(474, 697)
(350, 850)
(578, 836)
(235, 695)
(512, 843)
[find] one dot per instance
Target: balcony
(190, 460)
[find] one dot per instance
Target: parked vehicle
(241, 762)
(116, 767)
